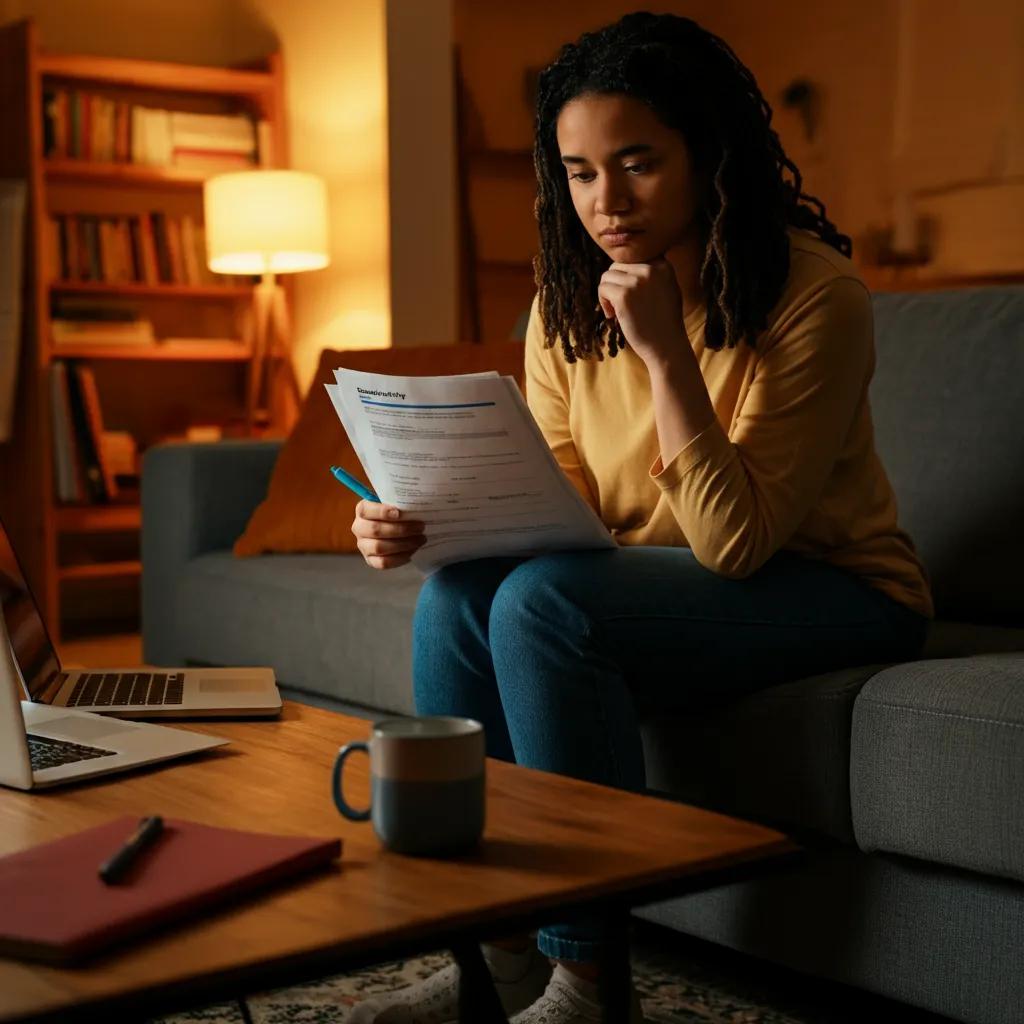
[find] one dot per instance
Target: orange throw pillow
(306, 509)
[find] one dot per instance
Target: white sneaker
(519, 979)
(571, 1000)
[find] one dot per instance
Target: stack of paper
(465, 456)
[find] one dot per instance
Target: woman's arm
(739, 500)
(547, 395)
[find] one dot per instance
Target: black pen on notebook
(148, 831)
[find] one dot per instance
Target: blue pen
(353, 484)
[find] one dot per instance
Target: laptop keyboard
(127, 689)
(44, 752)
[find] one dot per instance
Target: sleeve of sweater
(739, 497)
(547, 395)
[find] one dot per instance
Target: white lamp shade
(260, 222)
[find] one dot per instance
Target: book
(128, 270)
(108, 254)
(163, 252)
(89, 234)
(94, 425)
(74, 249)
(88, 455)
(85, 126)
(101, 332)
(173, 229)
(150, 262)
(190, 251)
(66, 471)
(57, 910)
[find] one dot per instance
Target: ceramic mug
(427, 793)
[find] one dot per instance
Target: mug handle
(339, 764)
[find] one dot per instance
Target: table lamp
(266, 222)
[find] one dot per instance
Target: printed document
(465, 456)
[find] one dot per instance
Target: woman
(698, 358)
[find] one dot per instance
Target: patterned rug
(681, 981)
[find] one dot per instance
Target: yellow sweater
(789, 463)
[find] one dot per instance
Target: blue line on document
(402, 405)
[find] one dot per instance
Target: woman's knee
(444, 599)
(539, 594)
(459, 594)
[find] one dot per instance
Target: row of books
(152, 248)
(86, 126)
(80, 321)
(88, 461)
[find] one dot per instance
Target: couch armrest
(195, 498)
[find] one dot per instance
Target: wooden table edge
(234, 983)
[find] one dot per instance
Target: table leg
(616, 976)
(478, 999)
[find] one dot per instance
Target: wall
(336, 79)
(421, 175)
(947, 91)
(849, 50)
(924, 96)
(334, 59)
(499, 39)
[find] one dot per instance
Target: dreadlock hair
(748, 191)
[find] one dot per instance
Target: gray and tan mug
(427, 789)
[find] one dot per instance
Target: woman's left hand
(646, 300)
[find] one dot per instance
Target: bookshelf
(196, 372)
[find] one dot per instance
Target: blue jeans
(554, 654)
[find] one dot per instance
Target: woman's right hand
(385, 539)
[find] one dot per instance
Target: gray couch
(906, 782)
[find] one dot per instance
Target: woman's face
(630, 177)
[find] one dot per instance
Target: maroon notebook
(55, 908)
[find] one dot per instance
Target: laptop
(122, 693)
(42, 745)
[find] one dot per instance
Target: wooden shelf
(98, 518)
(892, 279)
(130, 289)
(156, 74)
(98, 570)
(143, 175)
(176, 351)
(203, 324)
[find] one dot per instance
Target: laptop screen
(30, 642)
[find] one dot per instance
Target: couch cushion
(949, 421)
(327, 624)
(780, 756)
(937, 763)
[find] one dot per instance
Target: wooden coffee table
(552, 845)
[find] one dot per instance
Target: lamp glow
(265, 222)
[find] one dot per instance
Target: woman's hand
(646, 300)
(386, 541)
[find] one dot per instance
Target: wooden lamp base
(272, 357)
